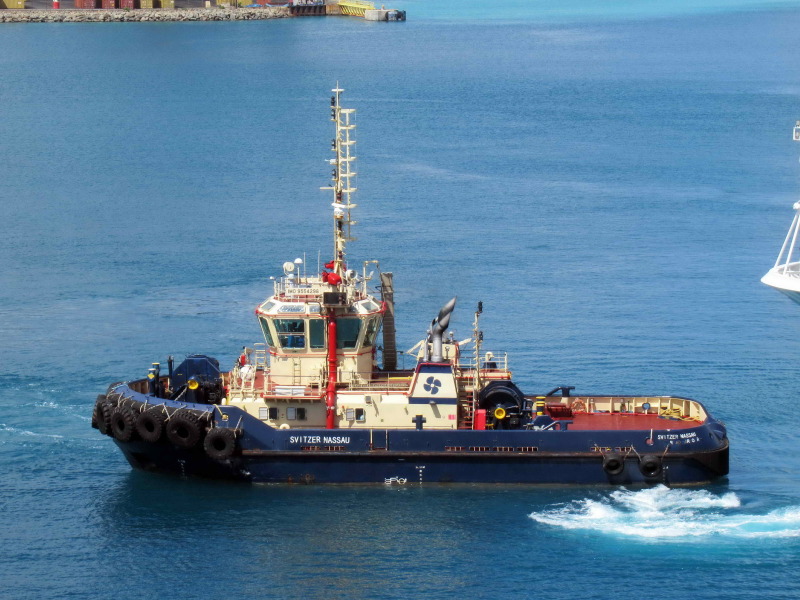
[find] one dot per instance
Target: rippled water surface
(612, 184)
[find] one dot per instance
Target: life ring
(650, 465)
(613, 463)
(150, 425)
(220, 443)
(578, 406)
(122, 423)
(183, 430)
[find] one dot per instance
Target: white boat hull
(785, 279)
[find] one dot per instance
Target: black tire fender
(613, 463)
(650, 465)
(150, 425)
(220, 443)
(183, 430)
(103, 410)
(100, 400)
(122, 423)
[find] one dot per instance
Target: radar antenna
(342, 175)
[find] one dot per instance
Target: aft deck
(627, 421)
(624, 413)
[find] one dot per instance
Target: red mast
(330, 395)
(342, 187)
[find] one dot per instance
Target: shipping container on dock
(166, 4)
(147, 4)
(85, 4)
(127, 4)
(15, 4)
(108, 4)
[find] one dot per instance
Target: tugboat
(313, 403)
(784, 276)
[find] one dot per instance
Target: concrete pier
(106, 16)
(384, 14)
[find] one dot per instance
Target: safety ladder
(466, 410)
(260, 356)
(466, 404)
(296, 372)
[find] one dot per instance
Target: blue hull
(264, 454)
(409, 468)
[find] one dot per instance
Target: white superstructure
(785, 275)
(318, 366)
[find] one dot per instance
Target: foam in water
(664, 513)
(27, 433)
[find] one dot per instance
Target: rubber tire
(100, 400)
(650, 465)
(613, 463)
(220, 443)
(183, 430)
(122, 423)
(150, 425)
(104, 418)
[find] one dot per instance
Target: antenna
(341, 175)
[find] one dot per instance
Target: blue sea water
(611, 179)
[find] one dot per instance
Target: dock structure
(355, 8)
(383, 14)
(307, 8)
(153, 10)
(350, 8)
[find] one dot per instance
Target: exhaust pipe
(438, 327)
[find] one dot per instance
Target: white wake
(664, 513)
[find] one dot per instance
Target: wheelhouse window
(347, 331)
(372, 330)
(316, 333)
(291, 333)
(267, 333)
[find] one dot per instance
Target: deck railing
(665, 406)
